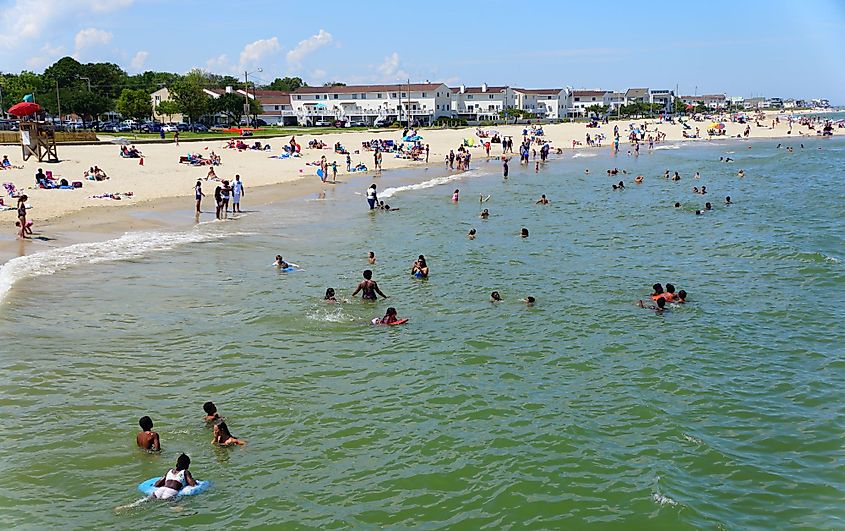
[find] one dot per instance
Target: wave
(130, 245)
(581, 155)
(663, 500)
(437, 181)
(671, 146)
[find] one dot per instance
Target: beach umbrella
(319, 106)
(24, 108)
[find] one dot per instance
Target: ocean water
(580, 411)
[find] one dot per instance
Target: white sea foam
(334, 315)
(437, 181)
(692, 439)
(582, 155)
(663, 500)
(670, 146)
(130, 245)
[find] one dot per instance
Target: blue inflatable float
(148, 487)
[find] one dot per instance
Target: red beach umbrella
(24, 108)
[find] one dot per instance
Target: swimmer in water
(529, 301)
(695, 189)
(740, 173)
(681, 297)
(420, 268)
(677, 205)
(708, 206)
(495, 297)
(471, 234)
(703, 190)
(147, 439)
(485, 214)
(280, 263)
(390, 317)
(697, 176)
(371, 257)
(639, 179)
(523, 232)
(542, 200)
(455, 196)
(659, 308)
(223, 437)
(211, 413)
(368, 287)
(728, 200)
(657, 290)
(175, 480)
(587, 171)
(330, 295)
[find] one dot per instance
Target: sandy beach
(162, 183)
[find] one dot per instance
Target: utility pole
(58, 101)
(88, 79)
(246, 96)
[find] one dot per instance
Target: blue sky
(773, 48)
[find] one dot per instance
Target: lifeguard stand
(38, 139)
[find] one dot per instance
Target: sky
(771, 48)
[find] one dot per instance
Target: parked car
(169, 128)
(358, 123)
(183, 127)
(198, 128)
(323, 123)
(150, 128)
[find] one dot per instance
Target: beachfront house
(663, 97)
(754, 103)
(711, 101)
(371, 105)
(637, 95)
(614, 100)
(276, 108)
(581, 99)
(549, 104)
(156, 98)
(484, 103)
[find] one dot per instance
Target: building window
(276, 108)
(423, 95)
(577, 98)
(491, 96)
(354, 96)
(378, 95)
(393, 95)
(363, 96)
(298, 97)
(469, 96)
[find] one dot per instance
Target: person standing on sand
(426, 153)
(22, 215)
(237, 192)
(224, 198)
(348, 163)
(198, 195)
(218, 199)
(334, 171)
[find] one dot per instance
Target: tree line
(91, 90)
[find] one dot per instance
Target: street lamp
(88, 79)
(246, 92)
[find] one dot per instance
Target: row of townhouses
(423, 103)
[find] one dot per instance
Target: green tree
(287, 84)
(66, 71)
(597, 110)
(189, 95)
(88, 105)
(134, 104)
(107, 79)
(168, 108)
(230, 104)
(334, 84)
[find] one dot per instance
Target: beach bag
(77, 184)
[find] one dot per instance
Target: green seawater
(583, 411)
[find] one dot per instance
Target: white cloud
(254, 52)
(389, 70)
(318, 75)
(220, 64)
(139, 60)
(90, 37)
(315, 42)
(110, 5)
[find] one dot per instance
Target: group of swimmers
(176, 479)
(661, 296)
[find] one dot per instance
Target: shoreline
(102, 221)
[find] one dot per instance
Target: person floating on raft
(174, 480)
(390, 318)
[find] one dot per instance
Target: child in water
(223, 437)
(523, 232)
(661, 305)
(529, 301)
(495, 297)
(147, 439)
(330, 295)
(280, 263)
(174, 480)
(371, 258)
(211, 414)
(390, 317)
(455, 196)
(471, 234)
(485, 214)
